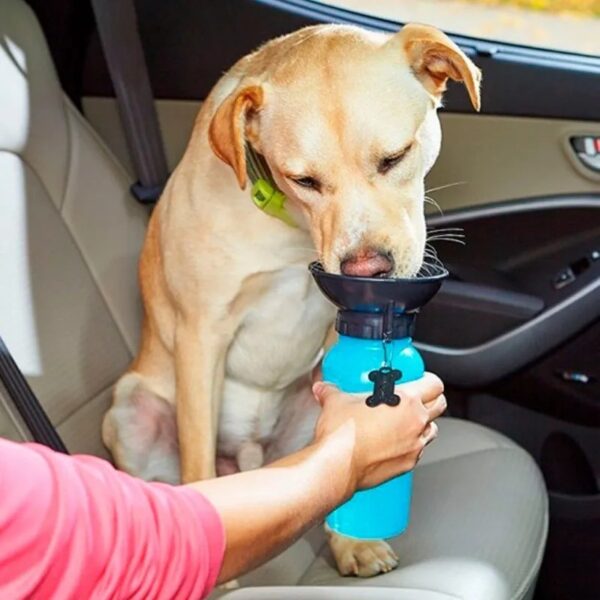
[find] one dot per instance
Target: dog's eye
(308, 182)
(389, 162)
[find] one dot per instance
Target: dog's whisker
(433, 261)
(456, 241)
(443, 187)
(433, 203)
(427, 269)
(431, 252)
(433, 238)
(432, 234)
(446, 232)
(433, 268)
(438, 229)
(451, 228)
(450, 233)
(437, 238)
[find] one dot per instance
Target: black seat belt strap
(118, 29)
(26, 403)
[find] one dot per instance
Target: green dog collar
(264, 192)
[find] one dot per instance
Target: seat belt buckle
(146, 194)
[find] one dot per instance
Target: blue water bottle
(374, 352)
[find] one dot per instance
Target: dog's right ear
(227, 129)
(434, 58)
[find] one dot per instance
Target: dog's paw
(362, 558)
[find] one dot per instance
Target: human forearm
(74, 527)
(264, 511)
(280, 502)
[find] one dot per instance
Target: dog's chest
(282, 333)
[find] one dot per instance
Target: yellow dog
(346, 119)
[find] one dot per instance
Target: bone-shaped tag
(383, 391)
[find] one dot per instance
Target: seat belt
(118, 30)
(26, 403)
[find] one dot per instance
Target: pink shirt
(74, 527)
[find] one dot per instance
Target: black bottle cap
(371, 307)
(373, 326)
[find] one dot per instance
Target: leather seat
(70, 236)
(477, 529)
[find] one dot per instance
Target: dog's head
(347, 122)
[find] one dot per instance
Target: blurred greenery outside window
(566, 25)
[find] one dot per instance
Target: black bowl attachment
(377, 308)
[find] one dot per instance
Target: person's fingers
(323, 391)
(436, 407)
(317, 373)
(398, 464)
(429, 433)
(427, 388)
(429, 403)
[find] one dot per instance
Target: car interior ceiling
(515, 332)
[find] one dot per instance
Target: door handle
(587, 149)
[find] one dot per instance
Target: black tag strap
(383, 393)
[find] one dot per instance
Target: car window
(568, 25)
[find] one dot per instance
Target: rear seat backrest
(70, 235)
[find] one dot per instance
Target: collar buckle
(264, 192)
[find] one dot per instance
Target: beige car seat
(70, 235)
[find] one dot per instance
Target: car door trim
(485, 363)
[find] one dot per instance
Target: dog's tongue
(370, 264)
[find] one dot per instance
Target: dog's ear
(226, 132)
(434, 58)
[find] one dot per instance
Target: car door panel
(484, 159)
(500, 158)
(530, 281)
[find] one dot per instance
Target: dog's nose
(368, 263)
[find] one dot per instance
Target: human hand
(383, 441)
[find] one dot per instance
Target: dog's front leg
(199, 370)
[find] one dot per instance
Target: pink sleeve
(74, 527)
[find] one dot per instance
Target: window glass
(571, 25)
